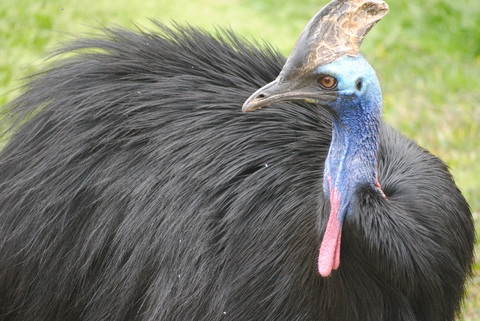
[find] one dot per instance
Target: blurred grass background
(427, 55)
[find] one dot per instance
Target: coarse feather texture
(136, 189)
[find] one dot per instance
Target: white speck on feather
(266, 165)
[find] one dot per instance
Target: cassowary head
(326, 69)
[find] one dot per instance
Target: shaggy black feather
(136, 189)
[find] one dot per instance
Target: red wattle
(329, 255)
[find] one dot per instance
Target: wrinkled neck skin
(351, 163)
(351, 160)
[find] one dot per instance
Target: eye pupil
(327, 82)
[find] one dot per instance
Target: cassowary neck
(352, 158)
(351, 163)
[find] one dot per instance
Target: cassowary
(135, 188)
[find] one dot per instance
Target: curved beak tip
(257, 100)
(266, 95)
(251, 105)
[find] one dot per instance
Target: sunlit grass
(427, 55)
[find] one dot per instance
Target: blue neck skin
(352, 158)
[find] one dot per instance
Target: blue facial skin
(352, 158)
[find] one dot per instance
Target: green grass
(427, 55)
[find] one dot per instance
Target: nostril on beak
(262, 96)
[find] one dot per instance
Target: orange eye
(327, 82)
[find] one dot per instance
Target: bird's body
(137, 189)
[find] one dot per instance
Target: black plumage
(136, 189)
